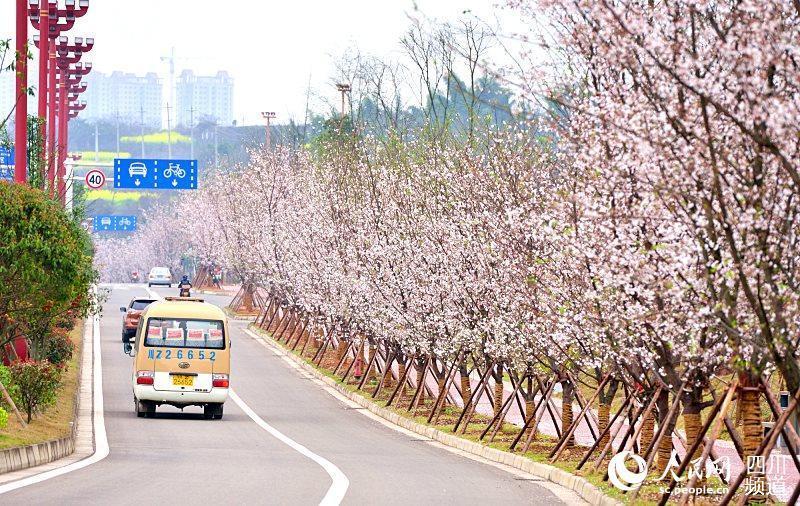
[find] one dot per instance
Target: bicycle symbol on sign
(174, 169)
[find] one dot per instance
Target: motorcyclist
(185, 286)
(134, 276)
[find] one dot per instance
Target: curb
(24, 457)
(215, 292)
(233, 316)
(586, 490)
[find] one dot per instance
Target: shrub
(3, 418)
(45, 266)
(59, 347)
(5, 379)
(37, 383)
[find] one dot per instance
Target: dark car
(130, 320)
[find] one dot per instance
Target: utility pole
(117, 118)
(141, 125)
(96, 143)
(169, 135)
(191, 133)
(343, 88)
(216, 150)
(171, 60)
(305, 120)
(268, 116)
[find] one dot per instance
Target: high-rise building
(8, 94)
(204, 98)
(130, 98)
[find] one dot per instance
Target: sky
(271, 48)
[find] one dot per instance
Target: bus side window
(138, 332)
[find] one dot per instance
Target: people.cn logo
(619, 474)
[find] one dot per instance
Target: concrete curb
(586, 490)
(23, 457)
(215, 292)
(233, 316)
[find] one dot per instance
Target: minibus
(181, 357)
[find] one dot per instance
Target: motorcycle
(134, 277)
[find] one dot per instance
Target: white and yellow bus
(181, 357)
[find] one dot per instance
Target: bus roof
(184, 309)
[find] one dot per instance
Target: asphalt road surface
(179, 458)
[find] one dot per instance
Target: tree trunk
(606, 397)
(466, 388)
(371, 360)
(693, 424)
(751, 430)
(648, 430)
(567, 392)
(498, 389)
(665, 446)
(603, 416)
(420, 376)
(530, 405)
(401, 373)
(388, 382)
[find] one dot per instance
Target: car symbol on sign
(137, 169)
(106, 222)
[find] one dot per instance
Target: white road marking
(152, 294)
(338, 488)
(100, 439)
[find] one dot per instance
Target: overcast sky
(269, 47)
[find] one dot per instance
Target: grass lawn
(102, 156)
(118, 196)
(56, 420)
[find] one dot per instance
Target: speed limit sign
(95, 179)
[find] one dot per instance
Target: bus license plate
(182, 380)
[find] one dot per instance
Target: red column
(44, 56)
(51, 120)
(61, 152)
(21, 113)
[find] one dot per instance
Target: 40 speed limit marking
(95, 179)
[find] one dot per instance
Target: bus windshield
(185, 333)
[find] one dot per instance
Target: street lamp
(68, 54)
(268, 116)
(46, 17)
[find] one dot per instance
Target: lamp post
(68, 54)
(66, 97)
(51, 21)
(268, 116)
(21, 92)
(40, 18)
(74, 109)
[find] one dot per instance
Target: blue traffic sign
(6, 163)
(153, 174)
(112, 223)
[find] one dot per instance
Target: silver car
(159, 276)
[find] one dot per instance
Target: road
(178, 457)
